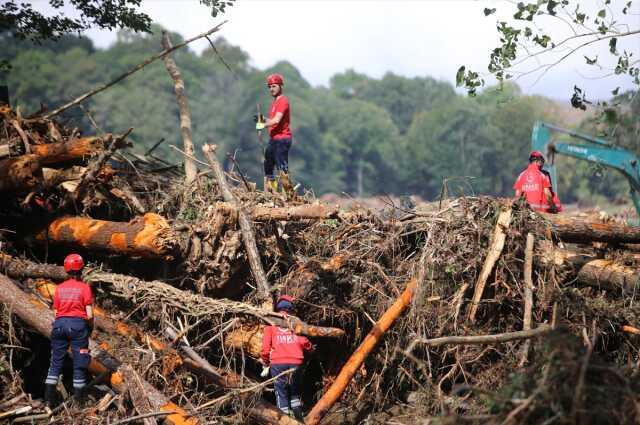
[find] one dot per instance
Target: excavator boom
(591, 149)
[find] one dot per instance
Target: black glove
(553, 209)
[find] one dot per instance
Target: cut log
(607, 274)
(357, 358)
(190, 168)
(146, 236)
(20, 174)
(528, 295)
(39, 317)
(590, 271)
(494, 252)
(71, 150)
(315, 211)
(248, 237)
(577, 230)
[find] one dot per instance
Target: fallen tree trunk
(146, 236)
(20, 174)
(590, 271)
(40, 318)
(313, 211)
(607, 274)
(357, 358)
(158, 292)
(71, 150)
(248, 237)
(577, 230)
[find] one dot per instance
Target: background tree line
(360, 135)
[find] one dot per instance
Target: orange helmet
(275, 79)
(73, 263)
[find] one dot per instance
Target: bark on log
(587, 270)
(357, 358)
(190, 168)
(71, 150)
(146, 236)
(494, 252)
(21, 173)
(39, 317)
(22, 269)
(248, 237)
(577, 230)
(313, 211)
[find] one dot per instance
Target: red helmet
(73, 262)
(275, 79)
(536, 155)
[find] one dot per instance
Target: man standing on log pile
(73, 308)
(276, 154)
(535, 185)
(282, 351)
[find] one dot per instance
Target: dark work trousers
(276, 155)
(74, 332)
(287, 387)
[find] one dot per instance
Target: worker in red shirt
(73, 307)
(276, 154)
(535, 185)
(282, 350)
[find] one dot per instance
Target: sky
(406, 37)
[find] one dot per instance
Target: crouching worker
(283, 350)
(73, 308)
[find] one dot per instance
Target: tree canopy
(360, 135)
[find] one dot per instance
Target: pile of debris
(468, 309)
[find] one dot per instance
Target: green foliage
(360, 135)
(524, 44)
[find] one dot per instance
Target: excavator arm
(593, 149)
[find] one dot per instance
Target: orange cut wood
(146, 236)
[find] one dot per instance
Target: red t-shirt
(532, 183)
(71, 298)
(282, 346)
(282, 130)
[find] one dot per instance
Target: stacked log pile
(443, 312)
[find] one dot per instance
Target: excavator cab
(590, 149)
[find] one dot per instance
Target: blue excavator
(590, 149)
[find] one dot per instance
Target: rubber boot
(50, 395)
(79, 396)
(297, 413)
(273, 186)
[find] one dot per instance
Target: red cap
(275, 79)
(73, 262)
(536, 155)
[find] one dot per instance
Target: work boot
(297, 413)
(287, 188)
(50, 396)
(79, 396)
